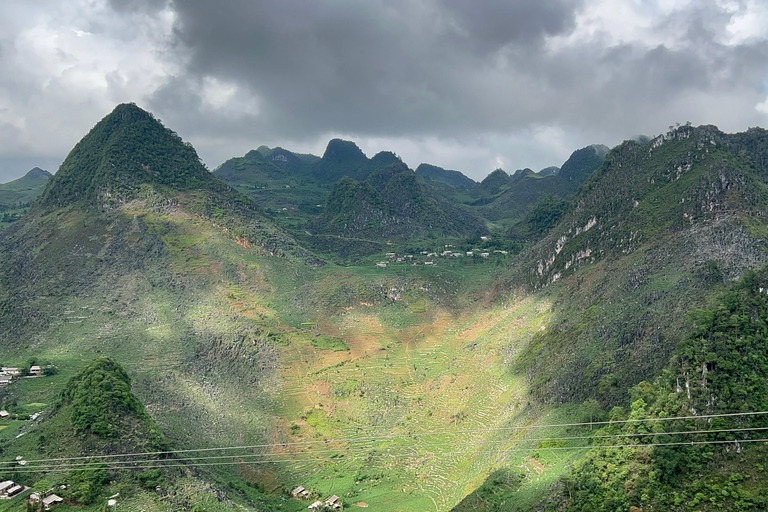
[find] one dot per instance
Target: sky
(461, 84)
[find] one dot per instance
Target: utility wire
(421, 448)
(400, 436)
(32, 463)
(23, 469)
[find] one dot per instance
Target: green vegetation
(720, 368)
(405, 387)
(17, 196)
(100, 397)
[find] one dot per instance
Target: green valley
(215, 347)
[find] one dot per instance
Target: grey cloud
(392, 68)
(446, 69)
(439, 70)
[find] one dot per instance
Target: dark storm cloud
(445, 69)
(375, 67)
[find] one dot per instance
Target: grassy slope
(657, 232)
(210, 328)
(16, 195)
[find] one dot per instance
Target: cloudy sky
(464, 84)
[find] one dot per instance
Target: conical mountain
(453, 178)
(341, 158)
(126, 149)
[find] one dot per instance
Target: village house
(11, 371)
(4, 486)
(4, 381)
(484, 254)
(5, 415)
(381, 264)
(35, 371)
(51, 500)
(333, 502)
(299, 492)
(13, 491)
(390, 255)
(318, 505)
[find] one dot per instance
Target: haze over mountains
(396, 338)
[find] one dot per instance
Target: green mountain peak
(126, 149)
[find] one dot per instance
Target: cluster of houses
(331, 502)
(427, 257)
(9, 489)
(8, 374)
(49, 500)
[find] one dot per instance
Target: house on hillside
(35, 371)
(333, 502)
(5, 415)
(11, 371)
(299, 492)
(13, 491)
(51, 500)
(4, 486)
(316, 506)
(4, 381)
(381, 264)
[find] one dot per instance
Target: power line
(94, 459)
(344, 452)
(405, 436)
(345, 459)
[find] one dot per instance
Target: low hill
(25, 189)
(453, 178)
(17, 195)
(252, 170)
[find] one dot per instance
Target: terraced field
(407, 418)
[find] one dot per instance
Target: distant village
(8, 488)
(9, 374)
(429, 258)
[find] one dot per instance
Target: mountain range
(404, 340)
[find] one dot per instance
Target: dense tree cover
(125, 149)
(720, 368)
(540, 219)
(101, 400)
(392, 203)
(501, 197)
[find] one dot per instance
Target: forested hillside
(639, 266)
(360, 330)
